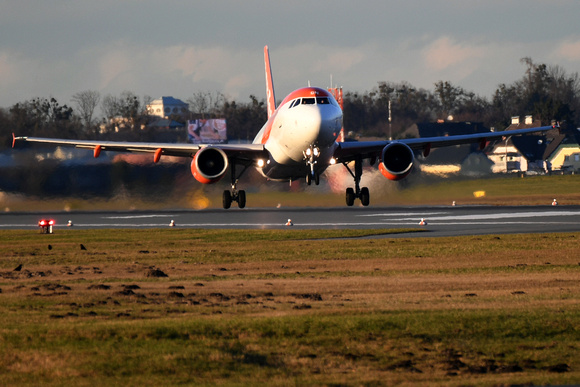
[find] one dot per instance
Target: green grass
(508, 189)
(295, 349)
(499, 190)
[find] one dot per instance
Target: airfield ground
(313, 307)
(497, 190)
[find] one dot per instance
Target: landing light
(316, 151)
(261, 163)
(332, 161)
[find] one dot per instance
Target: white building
(167, 106)
(524, 153)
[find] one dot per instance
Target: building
(466, 159)
(524, 153)
(566, 158)
(165, 107)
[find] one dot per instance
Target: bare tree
(110, 106)
(147, 99)
(205, 103)
(86, 103)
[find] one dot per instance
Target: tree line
(545, 92)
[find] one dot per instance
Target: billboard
(210, 131)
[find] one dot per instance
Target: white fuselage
(308, 120)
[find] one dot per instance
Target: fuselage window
(308, 101)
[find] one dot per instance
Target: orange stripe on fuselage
(268, 129)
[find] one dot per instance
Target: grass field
(499, 190)
(284, 307)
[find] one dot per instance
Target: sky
(181, 47)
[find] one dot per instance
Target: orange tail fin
(269, 83)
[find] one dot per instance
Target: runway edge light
(46, 225)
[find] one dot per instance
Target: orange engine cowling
(396, 161)
(209, 165)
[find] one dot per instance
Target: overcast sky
(179, 47)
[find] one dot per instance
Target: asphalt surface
(440, 221)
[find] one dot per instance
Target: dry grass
(275, 308)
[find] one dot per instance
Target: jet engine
(396, 161)
(209, 165)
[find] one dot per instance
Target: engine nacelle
(396, 161)
(209, 165)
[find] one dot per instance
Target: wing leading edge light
(298, 141)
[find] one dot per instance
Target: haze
(177, 48)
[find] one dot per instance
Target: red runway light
(46, 225)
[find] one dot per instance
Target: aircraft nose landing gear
(312, 177)
(310, 156)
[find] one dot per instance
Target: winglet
(269, 83)
(13, 140)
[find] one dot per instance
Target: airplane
(298, 141)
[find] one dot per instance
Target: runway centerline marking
(140, 216)
(419, 214)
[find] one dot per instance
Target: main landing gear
(234, 195)
(357, 193)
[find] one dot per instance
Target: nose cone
(312, 122)
(302, 126)
(298, 128)
(317, 124)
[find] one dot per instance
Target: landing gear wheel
(234, 195)
(241, 199)
(350, 196)
(365, 196)
(313, 177)
(358, 192)
(227, 199)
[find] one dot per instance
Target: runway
(440, 221)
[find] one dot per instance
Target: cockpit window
(311, 101)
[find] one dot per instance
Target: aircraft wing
(349, 151)
(241, 152)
